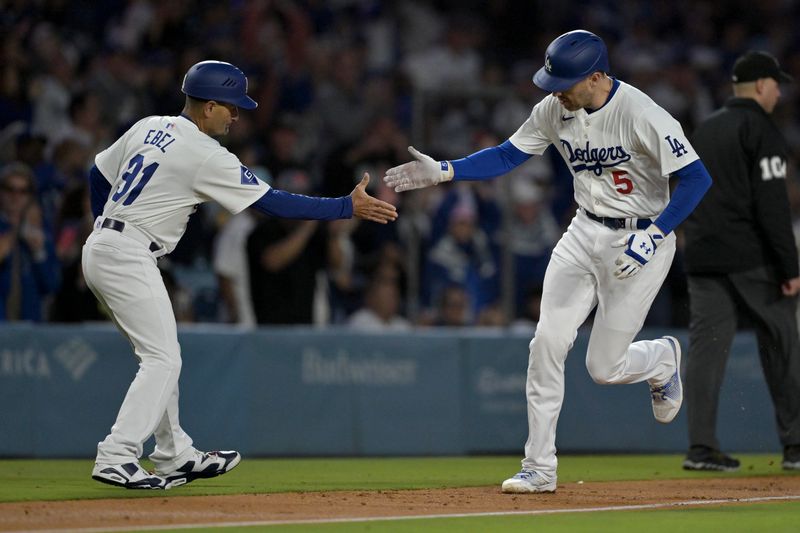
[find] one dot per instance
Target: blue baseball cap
(569, 59)
(218, 81)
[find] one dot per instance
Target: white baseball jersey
(620, 155)
(162, 168)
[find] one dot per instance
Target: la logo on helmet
(547, 66)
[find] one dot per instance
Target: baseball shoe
(668, 397)
(128, 475)
(202, 465)
(528, 481)
(705, 458)
(791, 457)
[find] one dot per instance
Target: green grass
(26, 480)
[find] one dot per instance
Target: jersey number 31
(134, 168)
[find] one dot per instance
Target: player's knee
(170, 364)
(165, 360)
(603, 374)
(599, 375)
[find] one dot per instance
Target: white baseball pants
(122, 273)
(579, 277)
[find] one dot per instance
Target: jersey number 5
(134, 167)
(624, 185)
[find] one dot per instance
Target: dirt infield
(174, 510)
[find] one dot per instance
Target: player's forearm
(693, 184)
(489, 162)
(287, 205)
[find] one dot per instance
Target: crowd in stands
(343, 86)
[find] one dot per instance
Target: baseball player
(144, 188)
(621, 149)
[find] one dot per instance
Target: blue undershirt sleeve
(489, 162)
(287, 205)
(694, 182)
(99, 188)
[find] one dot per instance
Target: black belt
(618, 223)
(118, 225)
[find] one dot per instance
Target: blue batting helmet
(218, 81)
(569, 59)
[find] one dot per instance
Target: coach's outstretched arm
(426, 171)
(358, 204)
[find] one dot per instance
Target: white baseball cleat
(128, 475)
(668, 397)
(202, 465)
(527, 481)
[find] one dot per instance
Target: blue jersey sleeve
(99, 188)
(287, 205)
(489, 162)
(694, 182)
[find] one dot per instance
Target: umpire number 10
(623, 185)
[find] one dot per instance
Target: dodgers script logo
(595, 159)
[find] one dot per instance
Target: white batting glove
(640, 247)
(423, 172)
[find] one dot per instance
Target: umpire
(741, 257)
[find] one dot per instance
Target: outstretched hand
(424, 172)
(369, 208)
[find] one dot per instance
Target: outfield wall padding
(309, 392)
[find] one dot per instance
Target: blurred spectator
(380, 310)
(453, 309)
(532, 234)
(345, 287)
(74, 301)
(284, 257)
(29, 269)
(528, 318)
(51, 91)
(454, 63)
(84, 126)
(67, 172)
(463, 256)
(283, 153)
(479, 197)
(231, 268)
(14, 104)
(119, 79)
(382, 146)
(492, 316)
(340, 106)
(179, 296)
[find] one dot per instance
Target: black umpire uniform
(740, 249)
